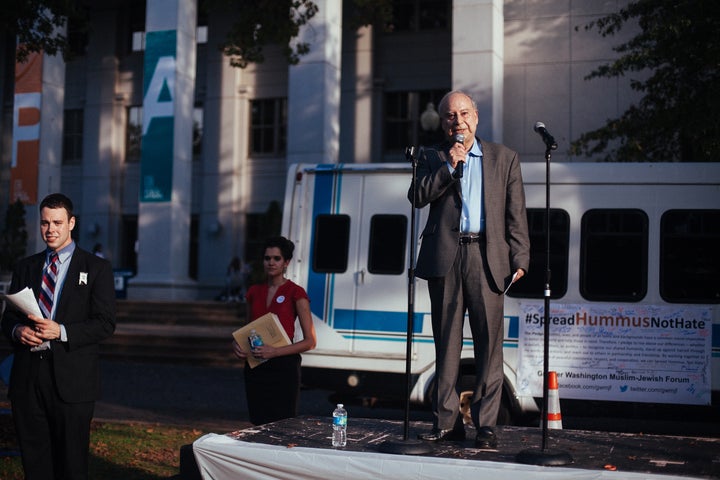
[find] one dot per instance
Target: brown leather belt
(471, 238)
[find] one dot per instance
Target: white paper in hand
(514, 277)
(25, 301)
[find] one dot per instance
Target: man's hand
(45, 328)
(457, 154)
(27, 336)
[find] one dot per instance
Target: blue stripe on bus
(387, 339)
(378, 321)
(380, 338)
(322, 203)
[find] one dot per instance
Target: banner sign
(158, 132)
(26, 130)
(632, 353)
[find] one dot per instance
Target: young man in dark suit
(55, 377)
(475, 240)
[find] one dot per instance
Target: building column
(100, 158)
(363, 105)
(166, 160)
(314, 89)
(226, 176)
(35, 169)
(477, 60)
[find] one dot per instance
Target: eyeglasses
(277, 258)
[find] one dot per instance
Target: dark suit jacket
(86, 309)
(506, 229)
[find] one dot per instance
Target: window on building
(198, 117)
(386, 247)
(72, 151)
(331, 240)
(419, 15)
(77, 36)
(613, 255)
(138, 41)
(689, 256)
(532, 285)
(403, 124)
(134, 134)
(137, 25)
(201, 34)
(268, 126)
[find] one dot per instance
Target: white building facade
(357, 96)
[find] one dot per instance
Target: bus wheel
(465, 386)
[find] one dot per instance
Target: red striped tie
(47, 289)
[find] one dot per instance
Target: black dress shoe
(438, 435)
(485, 438)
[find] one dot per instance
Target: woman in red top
(273, 387)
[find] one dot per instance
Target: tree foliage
(259, 23)
(37, 25)
(676, 57)
(256, 24)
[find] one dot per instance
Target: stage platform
(300, 448)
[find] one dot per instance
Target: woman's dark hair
(286, 246)
(58, 200)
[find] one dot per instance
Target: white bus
(639, 237)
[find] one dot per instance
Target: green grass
(127, 451)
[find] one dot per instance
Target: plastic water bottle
(255, 340)
(339, 434)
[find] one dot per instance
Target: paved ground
(213, 398)
(206, 397)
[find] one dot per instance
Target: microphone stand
(543, 456)
(408, 446)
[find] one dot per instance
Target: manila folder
(269, 328)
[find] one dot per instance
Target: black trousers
(54, 435)
(273, 389)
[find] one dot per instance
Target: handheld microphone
(458, 173)
(547, 138)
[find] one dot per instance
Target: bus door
(359, 263)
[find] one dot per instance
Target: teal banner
(158, 133)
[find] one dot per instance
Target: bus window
(533, 284)
(331, 238)
(386, 248)
(689, 256)
(613, 255)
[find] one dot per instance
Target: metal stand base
(545, 458)
(406, 447)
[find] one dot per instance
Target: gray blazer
(506, 229)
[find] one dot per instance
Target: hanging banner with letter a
(158, 117)
(26, 130)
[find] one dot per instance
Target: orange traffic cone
(553, 408)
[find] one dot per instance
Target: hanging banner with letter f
(158, 117)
